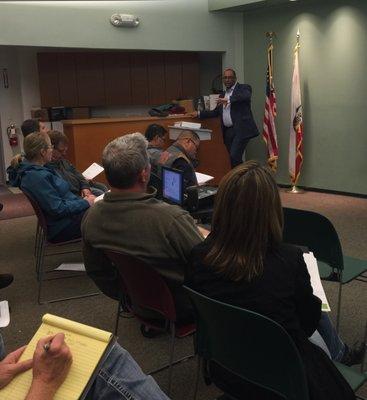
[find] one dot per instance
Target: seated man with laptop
(181, 155)
(131, 220)
(194, 199)
(183, 158)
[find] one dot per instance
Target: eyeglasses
(195, 144)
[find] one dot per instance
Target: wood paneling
(157, 80)
(139, 78)
(87, 139)
(90, 78)
(48, 79)
(190, 75)
(67, 79)
(173, 74)
(117, 78)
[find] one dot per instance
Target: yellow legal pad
(87, 344)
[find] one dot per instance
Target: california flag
(296, 128)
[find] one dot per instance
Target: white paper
(70, 267)
(190, 125)
(207, 102)
(203, 178)
(92, 171)
(316, 284)
(213, 99)
(99, 198)
(4, 314)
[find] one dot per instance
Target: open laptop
(172, 186)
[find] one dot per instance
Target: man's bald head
(190, 141)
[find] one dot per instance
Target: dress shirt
(227, 120)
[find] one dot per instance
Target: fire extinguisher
(12, 135)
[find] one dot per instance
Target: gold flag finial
(270, 35)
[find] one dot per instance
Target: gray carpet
(16, 255)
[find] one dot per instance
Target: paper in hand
(92, 171)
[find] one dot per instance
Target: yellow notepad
(87, 344)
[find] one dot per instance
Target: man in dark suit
(234, 108)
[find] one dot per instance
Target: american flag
(296, 128)
(269, 130)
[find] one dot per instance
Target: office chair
(142, 289)
(44, 248)
(253, 348)
(315, 231)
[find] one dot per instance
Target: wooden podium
(88, 137)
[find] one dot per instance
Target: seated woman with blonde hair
(63, 210)
(244, 262)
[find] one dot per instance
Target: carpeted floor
(16, 255)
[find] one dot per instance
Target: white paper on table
(213, 101)
(4, 314)
(70, 267)
(203, 178)
(316, 284)
(189, 125)
(92, 171)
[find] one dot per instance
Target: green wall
(164, 25)
(334, 81)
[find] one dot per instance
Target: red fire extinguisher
(12, 135)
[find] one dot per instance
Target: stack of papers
(188, 125)
(316, 284)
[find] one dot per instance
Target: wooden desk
(88, 137)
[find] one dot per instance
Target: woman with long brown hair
(243, 262)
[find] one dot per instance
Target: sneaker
(5, 280)
(354, 355)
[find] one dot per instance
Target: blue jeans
(331, 338)
(121, 378)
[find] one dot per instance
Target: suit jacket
(243, 121)
(283, 293)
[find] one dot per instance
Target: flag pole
(269, 129)
(294, 189)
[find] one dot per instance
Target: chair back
(308, 228)
(249, 345)
(145, 288)
(156, 181)
(37, 210)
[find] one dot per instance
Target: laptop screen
(172, 185)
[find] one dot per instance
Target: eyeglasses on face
(195, 144)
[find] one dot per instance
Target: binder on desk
(89, 346)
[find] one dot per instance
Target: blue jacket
(53, 195)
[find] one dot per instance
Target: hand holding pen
(52, 360)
